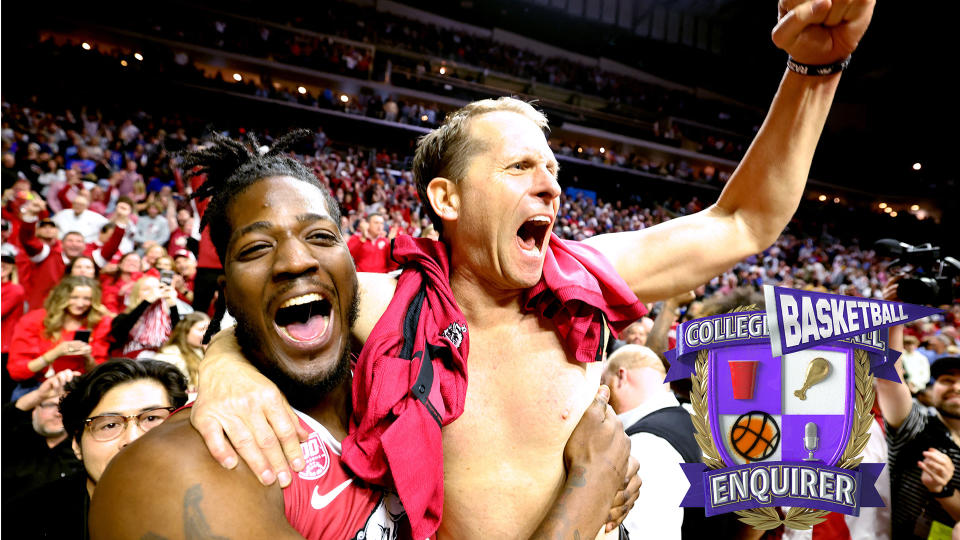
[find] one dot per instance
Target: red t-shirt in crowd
(12, 296)
(371, 255)
(40, 266)
(29, 342)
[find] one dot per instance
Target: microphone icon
(810, 441)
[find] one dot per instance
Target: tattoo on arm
(195, 526)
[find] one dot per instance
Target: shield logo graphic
(798, 407)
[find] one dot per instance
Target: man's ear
(444, 196)
(76, 449)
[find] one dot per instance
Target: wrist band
(819, 70)
(947, 491)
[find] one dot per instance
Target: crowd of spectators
(285, 41)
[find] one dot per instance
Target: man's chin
(302, 390)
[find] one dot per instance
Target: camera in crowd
(929, 278)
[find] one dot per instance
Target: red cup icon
(743, 377)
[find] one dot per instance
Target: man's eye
(252, 250)
(322, 236)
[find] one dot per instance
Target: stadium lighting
(883, 205)
(423, 118)
(85, 45)
(237, 77)
(916, 166)
(344, 98)
(602, 149)
(579, 149)
(836, 200)
(822, 198)
(888, 209)
(915, 207)
(302, 90)
(123, 63)
(138, 56)
(893, 214)
(443, 70)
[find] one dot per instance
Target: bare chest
(503, 458)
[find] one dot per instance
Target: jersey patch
(317, 458)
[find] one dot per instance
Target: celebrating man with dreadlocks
(531, 310)
(292, 287)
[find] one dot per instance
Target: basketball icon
(755, 436)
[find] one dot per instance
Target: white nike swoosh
(320, 501)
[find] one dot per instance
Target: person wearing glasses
(103, 411)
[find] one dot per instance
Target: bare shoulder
(166, 485)
(376, 292)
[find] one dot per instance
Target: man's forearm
(766, 188)
(951, 504)
(578, 513)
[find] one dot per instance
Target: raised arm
(166, 486)
(764, 191)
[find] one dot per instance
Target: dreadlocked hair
(231, 167)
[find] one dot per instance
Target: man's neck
(334, 409)
(55, 440)
(480, 302)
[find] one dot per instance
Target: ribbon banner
(782, 483)
(750, 327)
(800, 320)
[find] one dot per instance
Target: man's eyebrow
(255, 226)
(310, 217)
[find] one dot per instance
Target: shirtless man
(491, 186)
(292, 286)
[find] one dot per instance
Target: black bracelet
(947, 491)
(820, 70)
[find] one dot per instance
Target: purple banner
(800, 320)
(782, 483)
(750, 327)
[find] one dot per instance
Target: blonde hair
(446, 151)
(134, 299)
(631, 356)
(56, 305)
(178, 338)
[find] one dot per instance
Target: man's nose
(293, 258)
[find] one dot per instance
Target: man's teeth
(300, 300)
(540, 219)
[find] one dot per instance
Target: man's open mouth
(304, 319)
(533, 233)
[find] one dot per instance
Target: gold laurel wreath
(767, 518)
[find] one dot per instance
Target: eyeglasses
(107, 427)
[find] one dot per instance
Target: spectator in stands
(116, 287)
(153, 227)
(916, 367)
(128, 179)
(44, 341)
(79, 218)
(103, 412)
(82, 266)
(371, 249)
(186, 266)
(637, 332)
(12, 297)
(185, 347)
(152, 252)
(44, 258)
(936, 347)
(148, 320)
(924, 455)
(36, 449)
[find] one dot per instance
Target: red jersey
(371, 255)
(325, 501)
(11, 297)
(28, 342)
